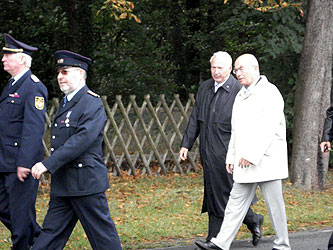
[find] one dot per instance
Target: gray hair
(222, 55)
(27, 59)
(84, 73)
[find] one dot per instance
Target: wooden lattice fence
(141, 139)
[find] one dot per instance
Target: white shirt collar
(252, 85)
(18, 76)
(71, 95)
(218, 85)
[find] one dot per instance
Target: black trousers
(63, 214)
(17, 209)
(215, 223)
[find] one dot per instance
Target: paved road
(307, 240)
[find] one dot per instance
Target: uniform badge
(15, 95)
(39, 102)
(66, 121)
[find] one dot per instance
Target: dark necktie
(10, 83)
(65, 101)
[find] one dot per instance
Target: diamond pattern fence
(141, 139)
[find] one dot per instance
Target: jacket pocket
(14, 108)
(68, 128)
(79, 175)
(13, 100)
(67, 124)
(12, 146)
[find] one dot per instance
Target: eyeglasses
(241, 70)
(65, 71)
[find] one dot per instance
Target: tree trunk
(312, 98)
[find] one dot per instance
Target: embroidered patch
(39, 102)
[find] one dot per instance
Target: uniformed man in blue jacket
(78, 174)
(22, 123)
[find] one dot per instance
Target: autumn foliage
(119, 9)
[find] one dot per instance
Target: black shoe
(197, 241)
(257, 231)
(207, 245)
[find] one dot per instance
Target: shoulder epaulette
(92, 93)
(34, 78)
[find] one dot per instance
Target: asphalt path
(306, 240)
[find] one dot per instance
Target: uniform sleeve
(90, 126)
(192, 131)
(31, 147)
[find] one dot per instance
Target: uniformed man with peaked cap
(22, 111)
(78, 174)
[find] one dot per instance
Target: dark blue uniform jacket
(22, 123)
(76, 163)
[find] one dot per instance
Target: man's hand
(183, 153)
(22, 173)
(37, 170)
(325, 146)
(244, 163)
(230, 168)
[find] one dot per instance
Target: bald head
(247, 69)
(248, 60)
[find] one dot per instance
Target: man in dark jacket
(78, 174)
(211, 118)
(325, 145)
(22, 111)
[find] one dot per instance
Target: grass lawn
(163, 211)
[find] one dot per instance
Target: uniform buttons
(67, 125)
(15, 144)
(80, 165)
(52, 149)
(53, 136)
(12, 101)
(56, 125)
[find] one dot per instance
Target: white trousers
(239, 202)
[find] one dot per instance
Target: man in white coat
(257, 155)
